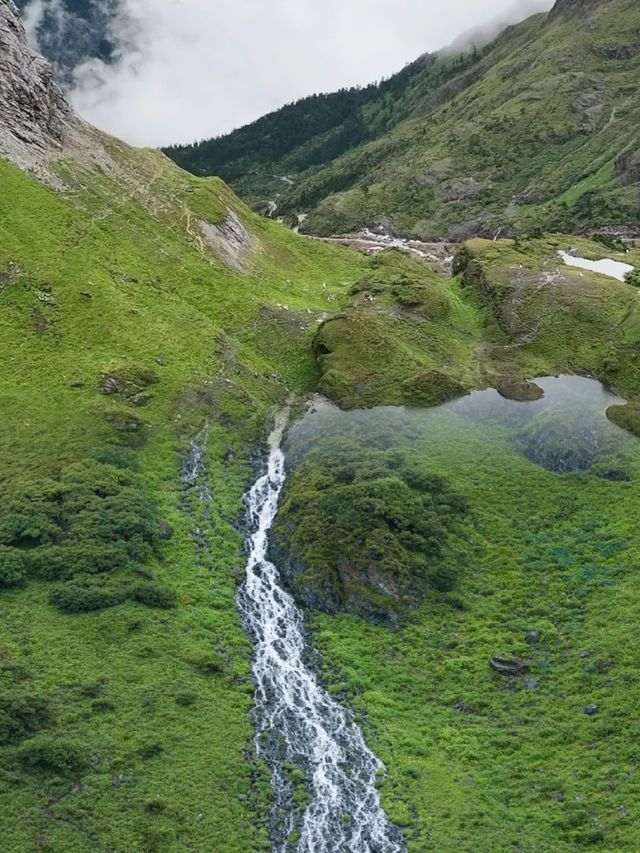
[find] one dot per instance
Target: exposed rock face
(34, 115)
(230, 240)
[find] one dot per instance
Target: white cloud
(195, 68)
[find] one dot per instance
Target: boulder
(508, 665)
(519, 390)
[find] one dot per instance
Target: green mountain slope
(140, 307)
(537, 130)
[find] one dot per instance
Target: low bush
(12, 567)
(57, 755)
(93, 521)
(22, 712)
(86, 596)
(154, 595)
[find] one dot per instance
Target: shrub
(12, 567)
(22, 712)
(58, 755)
(94, 520)
(118, 457)
(78, 597)
(150, 749)
(633, 277)
(50, 563)
(209, 664)
(154, 595)
(358, 519)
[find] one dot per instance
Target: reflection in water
(567, 430)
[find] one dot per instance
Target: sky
(193, 69)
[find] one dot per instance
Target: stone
(166, 531)
(87, 294)
(80, 382)
(532, 684)
(591, 710)
(141, 400)
(532, 637)
(519, 390)
(508, 665)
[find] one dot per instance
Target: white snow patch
(606, 266)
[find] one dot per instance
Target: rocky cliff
(34, 115)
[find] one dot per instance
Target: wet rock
(591, 710)
(461, 708)
(508, 665)
(567, 440)
(532, 637)
(613, 475)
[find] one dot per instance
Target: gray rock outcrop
(34, 114)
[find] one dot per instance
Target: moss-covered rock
(519, 390)
(431, 389)
(627, 417)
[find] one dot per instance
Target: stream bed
(305, 736)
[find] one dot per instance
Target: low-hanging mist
(186, 70)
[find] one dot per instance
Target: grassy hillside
(537, 130)
(127, 728)
(127, 324)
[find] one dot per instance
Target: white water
(606, 266)
(298, 723)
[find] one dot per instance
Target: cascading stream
(298, 723)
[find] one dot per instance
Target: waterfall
(298, 724)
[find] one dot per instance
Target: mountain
(537, 130)
(466, 562)
(70, 32)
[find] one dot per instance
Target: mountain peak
(34, 114)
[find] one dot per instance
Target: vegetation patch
(362, 529)
(91, 529)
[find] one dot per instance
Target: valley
(327, 541)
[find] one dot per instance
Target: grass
(476, 761)
(155, 702)
(148, 745)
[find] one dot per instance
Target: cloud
(195, 68)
